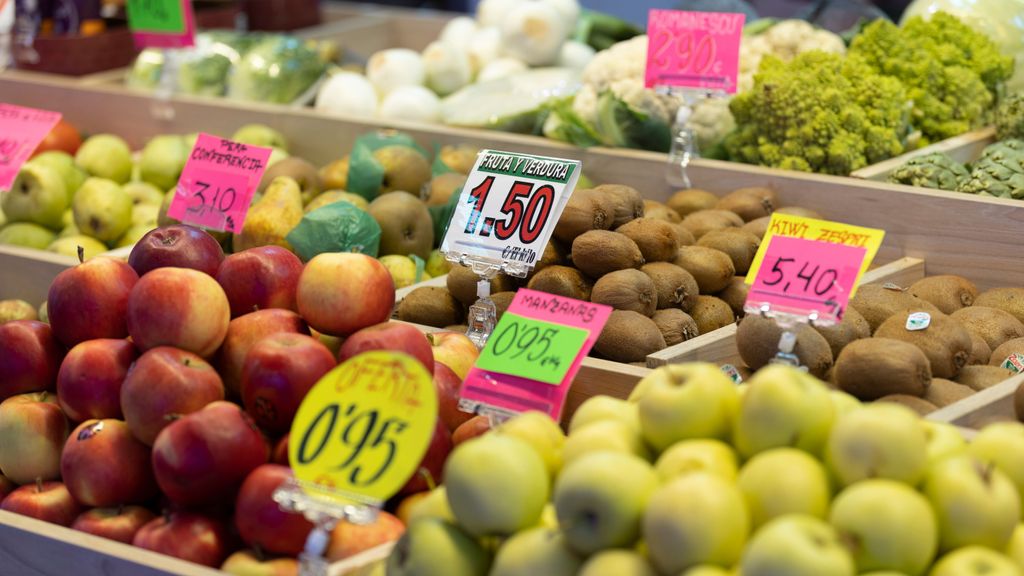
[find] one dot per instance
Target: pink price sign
(693, 49)
(534, 353)
(216, 186)
(162, 23)
(21, 131)
(802, 277)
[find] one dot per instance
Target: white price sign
(509, 207)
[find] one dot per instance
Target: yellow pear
(272, 217)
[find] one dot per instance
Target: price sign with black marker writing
(699, 50)
(21, 131)
(161, 23)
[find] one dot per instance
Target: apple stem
(81, 255)
(166, 513)
(39, 484)
(187, 362)
(257, 551)
(431, 483)
(171, 417)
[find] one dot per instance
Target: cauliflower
(784, 40)
(1010, 117)
(711, 122)
(934, 170)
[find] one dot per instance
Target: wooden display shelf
(963, 148)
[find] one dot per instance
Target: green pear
(600, 499)
(102, 209)
(433, 547)
(162, 160)
(133, 235)
(599, 408)
(145, 215)
(304, 174)
(682, 401)
(11, 310)
(69, 230)
(260, 135)
(64, 164)
(784, 481)
(144, 193)
(37, 195)
(880, 440)
(402, 270)
(106, 156)
(272, 217)
(433, 505)
(974, 561)
(276, 155)
(974, 502)
(68, 246)
(606, 435)
(1002, 444)
(405, 169)
(534, 552)
(332, 196)
(797, 545)
(708, 570)
(701, 455)
(405, 224)
(542, 434)
(618, 563)
(438, 264)
(67, 218)
(26, 234)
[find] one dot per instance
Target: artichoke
(931, 171)
(999, 173)
(1009, 117)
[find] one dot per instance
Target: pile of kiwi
(873, 355)
(671, 271)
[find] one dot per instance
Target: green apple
(617, 563)
(683, 401)
(37, 195)
(401, 268)
(888, 526)
(548, 517)
(162, 160)
(600, 499)
(975, 561)
(64, 164)
(1002, 444)
(689, 456)
(69, 230)
(974, 502)
(433, 547)
(695, 519)
(276, 155)
(14, 309)
(881, 440)
(784, 406)
(102, 209)
(708, 570)
(600, 407)
(784, 481)
(535, 552)
(145, 215)
(796, 545)
(542, 434)
(260, 135)
(606, 435)
(144, 193)
(433, 505)
(26, 234)
(496, 484)
(106, 156)
(69, 245)
(843, 402)
(3, 217)
(438, 264)
(1015, 549)
(944, 440)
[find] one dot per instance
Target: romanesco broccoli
(934, 170)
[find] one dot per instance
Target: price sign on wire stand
(21, 131)
(217, 183)
(533, 355)
(161, 23)
(695, 50)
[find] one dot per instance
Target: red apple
(46, 501)
(280, 453)
(188, 536)
(90, 301)
(120, 524)
(395, 336)
(245, 331)
(29, 357)
(278, 372)
(203, 457)
(454, 349)
(164, 383)
(245, 563)
(32, 434)
(475, 426)
(90, 378)
(177, 246)
(428, 473)
(64, 136)
(448, 385)
(104, 465)
(349, 539)
(178, 307)
(261, 522)
(6, 486)
(340, 293)
(260, 278)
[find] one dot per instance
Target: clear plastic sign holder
(788, 320)
(684, 138)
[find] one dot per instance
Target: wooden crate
(977, 410)
(963, 148)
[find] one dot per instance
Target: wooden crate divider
(981, 408)
(963, 148)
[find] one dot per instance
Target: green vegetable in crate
(999, 172)
(517, 103)
(931, 171)
(1009, 118)
(277, 69)
(818, 113)
(146, 70)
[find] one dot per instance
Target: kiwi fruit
(735, 295)
(870, 368)
(628, 289)
(629, 337)
(757, 227)
(757, 339)
(981, 377)
(799, 211)
(713, 269)
(945, 342)
(947, 292)
(876, 303)
(431, 306)
(701, 222)
(675, 287)
(586, 210)
(852, 327)
(676, 326)
(749, 203)
(656, 239)
(1000, 354)
(711, 313)
(994, 325)
(942, 392)
(502, 300)
(919, 405)
(657, 210)
(562, 281)
(1018, 403)
(553, 255)
(981, 353)
(738, 245)
(685, 202)
(1008, 299)
(599, 252)
(462, 281)
(684, 235)
(626, 201)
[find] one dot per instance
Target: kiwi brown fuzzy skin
(701, 222)
(562, 281)
(1009, 299)
(599, 252)
(945, 342)
(757, 340)
(919, 405)
(713, 269)
(676, 288)
(711, 313)
(738, 245)
(947, 292)
(1000, 354)
(877, 303)
(502, 300)
(758, 227)
(585, 210)
(980, 351)
(626, 201)
(995, 326)
(461, 282)
(982, 377)
(685, 202)
(749, 203)
(629, 337)
(676, 326)
(735, 295)
(799, 211)
(852, 327)
(871, 368)
(655, 209)
(431, 306)
(657, 239)
(626, 290)
(942, 392)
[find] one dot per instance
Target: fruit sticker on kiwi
(161, 23)
(21, 131)
(217, 183)
(918, 321)
(508, 209)
(699, 50)
(1014, 363)
(822, 231)
(533, 354)
(805, 278)
(362, 430)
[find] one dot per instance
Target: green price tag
(533, 349)
(162, 16)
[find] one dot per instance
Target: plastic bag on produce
(365, 172)
(336, 227)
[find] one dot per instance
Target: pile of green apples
(693, 475)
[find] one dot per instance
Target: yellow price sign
(362, 430)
